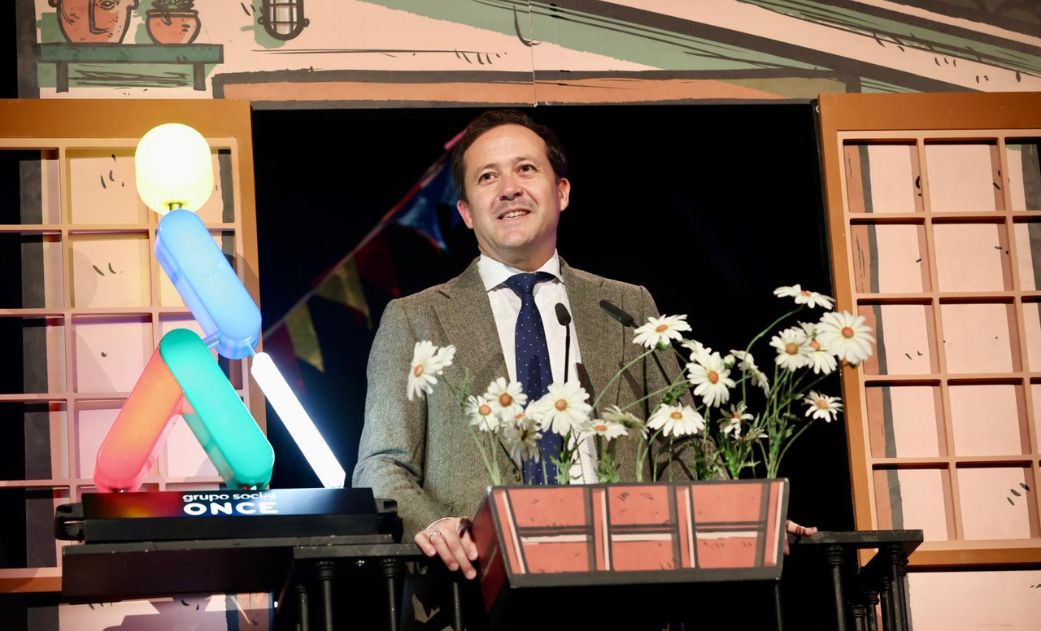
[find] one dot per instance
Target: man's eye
(527, 168)
(484, 177)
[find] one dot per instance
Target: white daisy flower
(521, 438)
(712, 379)
(562, 409)
(746, 363)
(846, 336)
(628, 420)
(609, 430)
(506, 398)
(820, 359)
(806, 297)
(732, 424)
(822, 406)
(739, 412)
(696, 348)
(792, 349)
(676, 420)
(481, 414)
(428, 361)
(658, 332)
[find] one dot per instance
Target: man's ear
(464, 212)
(564, 192)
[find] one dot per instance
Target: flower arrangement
(763, 416)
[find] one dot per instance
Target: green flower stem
(566, 459)
(607, 386)
(490, 467)
(649, 395)
(769, 328)
(641, 454)
(492, 471)
(772, 471)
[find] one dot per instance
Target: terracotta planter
(173, 27)
(94, 21)
(629, 534)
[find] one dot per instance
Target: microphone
(628, 321)
(564, 318)
(618, 313)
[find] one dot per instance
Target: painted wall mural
(525, 52)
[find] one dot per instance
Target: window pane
(963, 177)
(888, 258)
(988, 420)
(972, 257)
(904, 335)
(904, 421)
(913, 498)
(103, 188)
(1024, 174)
(997, 503)
(977, 338)
(29, 187)
(110, 270)
(883, 178)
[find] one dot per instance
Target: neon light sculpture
(182, 376)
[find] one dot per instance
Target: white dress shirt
(506, 307)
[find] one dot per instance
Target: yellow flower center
(418, 370)
(561, 405)
(791, 348)
(505, 400)
(661, 328)
(484, 410)
(713, 377)
(600, 427)
(805, 293)
(847, 332)
(815, 345)
(677, 415)
(823, 404)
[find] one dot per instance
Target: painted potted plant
(91, 22)
(173, 22)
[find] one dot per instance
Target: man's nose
(509, 188)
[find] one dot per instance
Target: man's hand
(797, 530)
(450, 539)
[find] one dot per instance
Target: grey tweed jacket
(421, 453)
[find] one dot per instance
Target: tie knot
(524, 284)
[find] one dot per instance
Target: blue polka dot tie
(533, 369)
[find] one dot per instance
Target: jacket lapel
(602, 341)
(599, 345)
(469, 324)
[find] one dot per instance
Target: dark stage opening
(709, 206)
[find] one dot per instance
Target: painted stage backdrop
(525, 52)
(414, 53)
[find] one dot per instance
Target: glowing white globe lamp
(174, 168)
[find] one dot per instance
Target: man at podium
(511, 174)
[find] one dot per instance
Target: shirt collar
(494, 273)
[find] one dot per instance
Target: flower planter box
(530, 538)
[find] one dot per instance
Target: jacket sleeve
(391, 453)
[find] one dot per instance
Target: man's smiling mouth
(514, 213)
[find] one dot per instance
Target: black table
(857, 589)
(293, 568)
(309, 574)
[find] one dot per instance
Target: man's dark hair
(495, 118)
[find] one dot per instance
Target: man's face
(515, 199)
